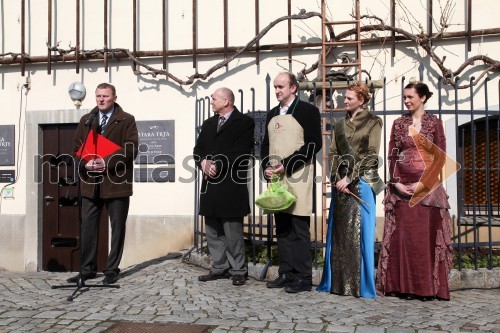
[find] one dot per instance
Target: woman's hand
(409, 189)
(342, 184)
(403, 189)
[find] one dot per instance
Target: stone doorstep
(466, 279)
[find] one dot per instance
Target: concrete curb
(465, 279)
(471, 279)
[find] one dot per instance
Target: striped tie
(222, 120)
(102, 126)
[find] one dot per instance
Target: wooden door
(60, 235)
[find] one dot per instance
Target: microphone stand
(80, 283)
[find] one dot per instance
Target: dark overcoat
(117, 180)
(226, 194)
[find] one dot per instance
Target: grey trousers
(226, 245)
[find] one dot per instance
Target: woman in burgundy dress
(416, 250)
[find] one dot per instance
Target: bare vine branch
(420, 39)
(154, 72)
(425, 42)
(13, 55)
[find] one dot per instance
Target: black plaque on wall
(7, 144)
(156, 142)
(156, 152)
(7, 176)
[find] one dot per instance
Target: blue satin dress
(339, 276)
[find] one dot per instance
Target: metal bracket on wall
(8, 193)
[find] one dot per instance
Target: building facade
(183, 51)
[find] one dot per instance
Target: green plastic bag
(276, 198)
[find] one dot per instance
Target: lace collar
(401, 125)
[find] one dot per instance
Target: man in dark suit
(222, 152)
(105, 181)
(292, 139)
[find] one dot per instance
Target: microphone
(90, 119)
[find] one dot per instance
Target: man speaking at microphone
(105, 181)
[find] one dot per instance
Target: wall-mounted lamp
(77, 92)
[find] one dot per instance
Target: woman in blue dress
(349, 259)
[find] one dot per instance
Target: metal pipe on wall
(164, 33)
(194, 33)
(257, 54)
(393, 23)
(106, 35)
(469, 25)
(210, 51)
(429, 18)
(134, 37)
(23, 31)
(49, 37)
(225, 30)
(289, 13)
(77, 46)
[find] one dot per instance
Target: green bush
(318, 257)
(261, 254)
(468, 256)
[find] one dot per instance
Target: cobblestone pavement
(168, 291)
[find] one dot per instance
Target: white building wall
(161, 214)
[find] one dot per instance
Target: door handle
(48, 198)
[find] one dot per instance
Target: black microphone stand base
(81, 286)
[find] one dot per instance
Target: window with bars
(480, 166)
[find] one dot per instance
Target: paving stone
(49, 314)
(219, 330)
(369, 329)
(253, 324)
(339, 328)
(400, 330)
(281, 326)
(309, 327)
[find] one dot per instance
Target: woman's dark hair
(421, 88)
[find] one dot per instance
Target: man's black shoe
(110, 279)
(238, 280)
(211, 276)
(281, 281)
(74, 279)
(298, 286)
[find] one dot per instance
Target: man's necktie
(222, 120)
(102, 125)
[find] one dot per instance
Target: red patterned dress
(416, 249)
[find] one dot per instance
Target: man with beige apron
(292, 139)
